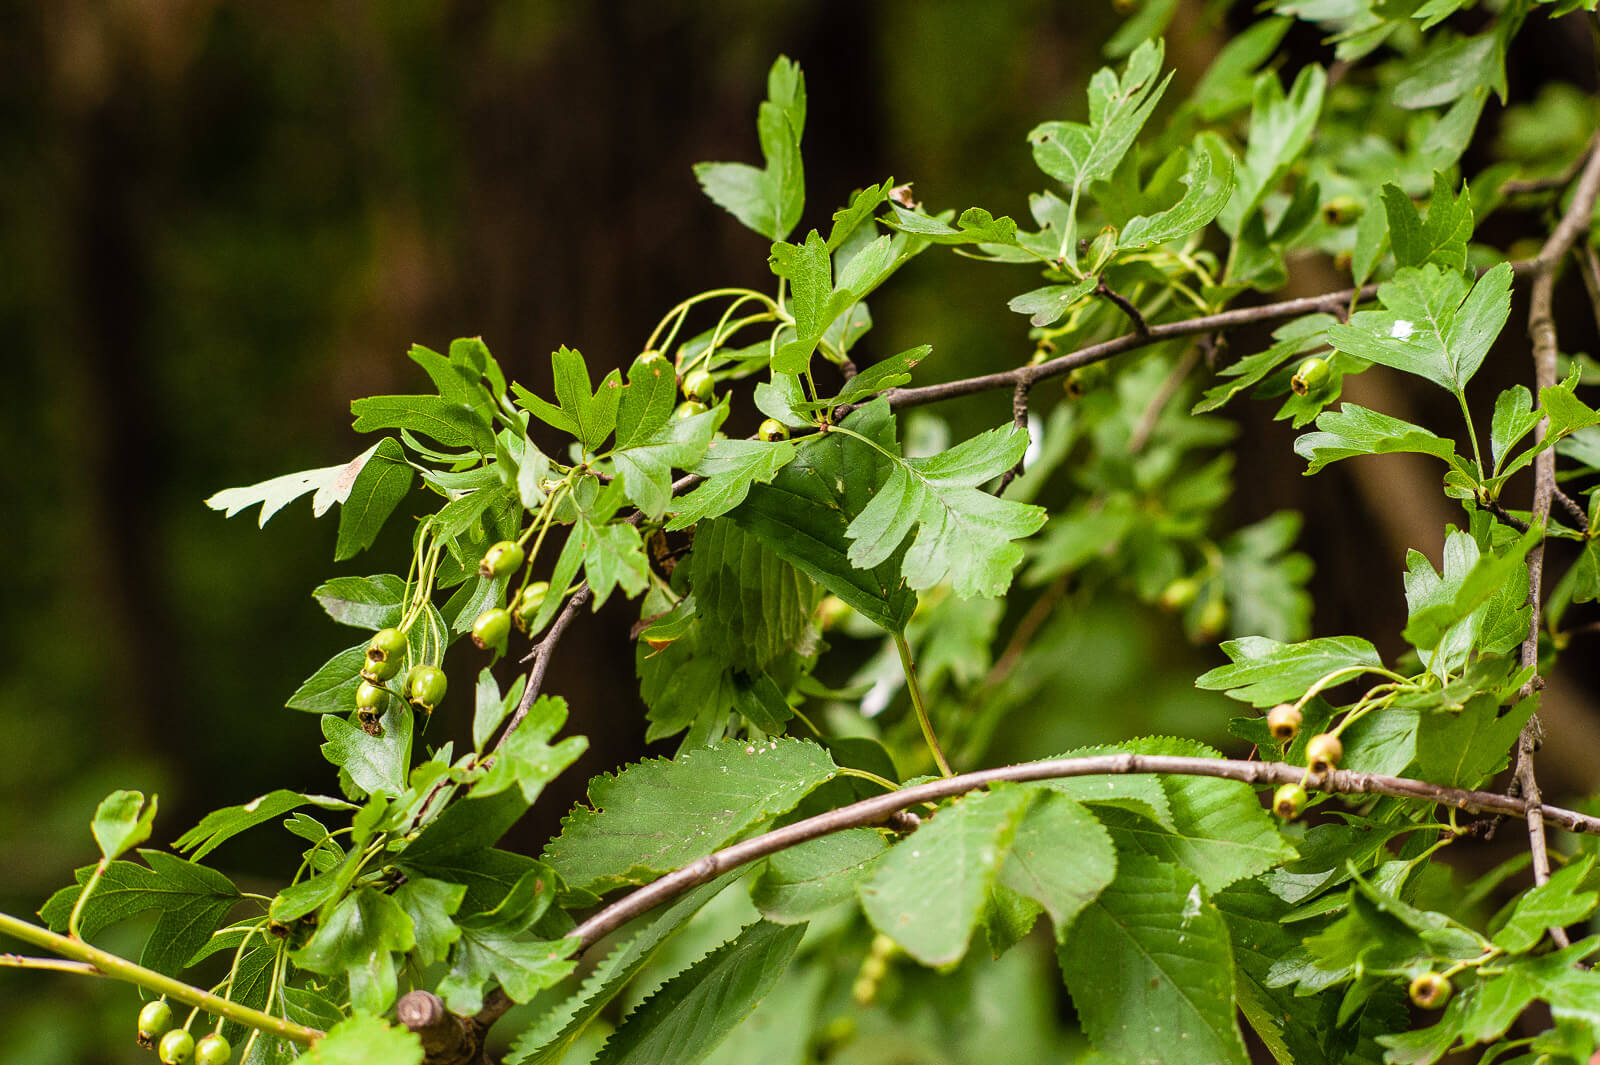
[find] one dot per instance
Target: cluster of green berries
(1323, 752)
(386, 653)
(175, 1046)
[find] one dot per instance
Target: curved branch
(879, 807)
(112, 965)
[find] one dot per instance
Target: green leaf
(331, 484)
(804, 514)
(1048, 305)
(633, 828)
(364, 602)
(963, 535)
(1280, 130)
(695, 1010)
(1451, 70)
(929, 891)
(1264, 581)
(881, 376)
(974, 226)
(191, 899)
(646, 466)
(1265, 672)
(1473, 588)
(1061, 857)
(358, 939)
(1353, 430)
(1150, 969)
(1432, 325)
(1514, 418)
(1464, 749)
(1220, 832)
(122, 822)
(1210, 183)
(363, 1040)
(332, 688)
(527, 760)
(647, 403)
(377, 764)
(755, 605)
(814, 302)
(813, 877)
(219, 826)
(768, 201)
(1075, 154)
(451, 424)
(549, 1039)
(378, 489)
(1442, 239)
(1299, 337)
(729, 467)
(1556, 903)
(521, 967)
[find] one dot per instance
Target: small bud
(1284, 721)
(1213, 618)
(386, 653)
(530, 602)
(689, 408)
(1430, 990)
(1342, 210)
(1288, 801)
(1323, 752)
(1312, 375)
(772, 429)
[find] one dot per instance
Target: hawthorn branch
(540, 656)
(1125, 305)
(880, 807)
(105, 963)
(1542, 333)
(59, 965)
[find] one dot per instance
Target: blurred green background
(224, 222)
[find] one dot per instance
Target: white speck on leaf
(1191, 904)
(1401, 329)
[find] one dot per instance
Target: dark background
(221, 223)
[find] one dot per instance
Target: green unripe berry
(177, 1048)
(212, 1050)
(491, 628)
(530, 602)
(426, 686)
(1212, 618)
(1341, 210)
(1312, 375)
(1284, 721)
(1323, 752)
(772, 429)
(697, 384)
(689, 408)
(386, 652)
(1180, 593)
(501, 559)
(154, 1020)
(1288, 801)
(371, 699)
(1430, 990)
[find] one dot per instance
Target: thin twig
(1139, 324)
(879, 807)
(540, 656)
(120, 968)
(1542, 333)
(1506, 516)
(1570, 505)
(1019, 418)
(59, 965)
(1589, 270)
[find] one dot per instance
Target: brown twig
(540, 656)
(1589, 270)
(1019, 418)
(1505, 516)
(1542, 333)
(1570, 505)
(875, 809)
(1140, 326)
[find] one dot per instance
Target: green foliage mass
(820, 622)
